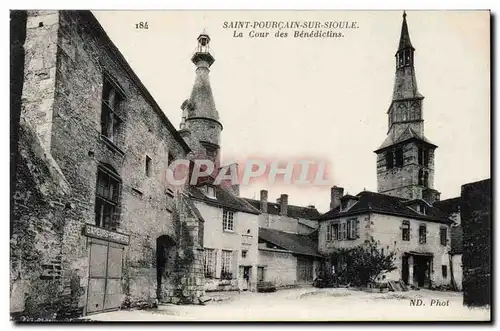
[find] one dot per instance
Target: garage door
(105, 276)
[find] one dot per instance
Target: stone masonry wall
(67, 55)
(403, 181)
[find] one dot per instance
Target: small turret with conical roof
(200, 123)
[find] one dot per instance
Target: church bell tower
(405, 160)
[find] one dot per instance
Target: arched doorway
(165, 255)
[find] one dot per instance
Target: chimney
(335, 195)
(263, 201)
(283, 204)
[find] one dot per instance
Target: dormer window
(211, 191)
(423, 210)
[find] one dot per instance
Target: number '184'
(141, 25)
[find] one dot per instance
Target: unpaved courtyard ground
(312, 304)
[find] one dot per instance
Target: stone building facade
(288, 251)
(230, 239)
(401, 217)
(417, 232)
(94, 222)
(470, 252)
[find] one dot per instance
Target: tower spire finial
(404, 40)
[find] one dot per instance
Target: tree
(361, 265)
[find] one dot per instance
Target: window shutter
(218, 262)
(357, 229)
(349, 229)
(234, 264)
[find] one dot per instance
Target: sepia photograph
(250, 166)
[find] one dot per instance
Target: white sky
(323, 98)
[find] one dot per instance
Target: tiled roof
(408, 134)
(224, 198)
(448, 206)
(295, 243)
(293, 211)
(371, 202)
(456, 239)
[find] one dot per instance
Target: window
(398, 157)
(244, 253)
(148, 166)
(51, 271)
(332, 232)
(211, 191)
(227, 220)
(107, 197)
(335, 231)
(405, 231)
(423, 156)
(444, 270)
(426, 157)
(423, 210)
(423, 178)
(329, 232)
(210, 260)
(211, 152)
(353, 228)
(343, 231)
(442, 236)
(389, 160)
(226, 265)
(422, 234)
(260, 274)
(110, 121)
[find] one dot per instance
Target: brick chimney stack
(283, 200)
(263, 201)
(335, 195)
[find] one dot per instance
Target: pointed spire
(404, 40)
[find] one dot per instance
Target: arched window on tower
(398, 156)
(389, 160)
(420, 177)
(408, 57)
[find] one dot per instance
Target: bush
(361, 265)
